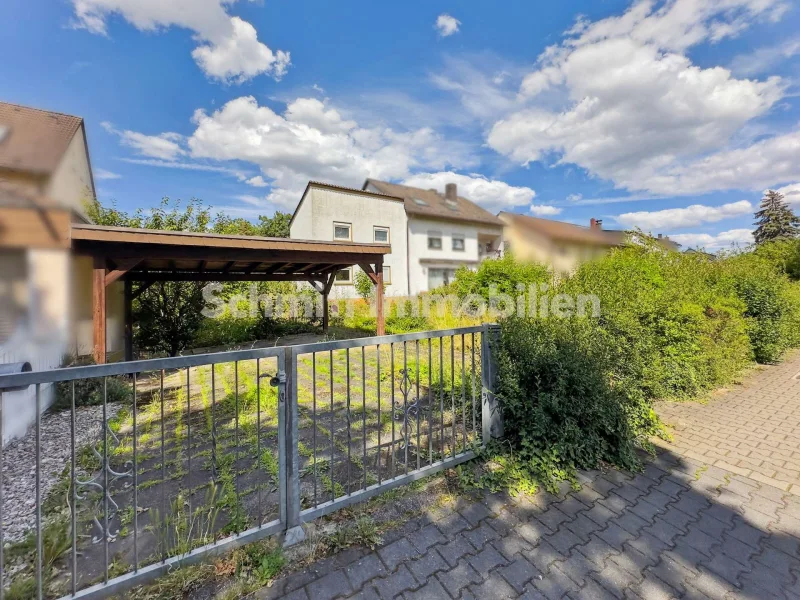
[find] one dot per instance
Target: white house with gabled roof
(432, 233)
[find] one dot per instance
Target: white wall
(321, 207)
(71, 182)
(422, 258)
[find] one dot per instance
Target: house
(563, 246)
(431, 233)
(45, 291)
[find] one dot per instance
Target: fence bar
(2, 542)
(454, 441)
(314, 412)
(394, 454)
(39, 590)
(213, 425)
(463, 392)
(430, 411)
(364, 412)
(333, 430)
(441, 394)
(282, 460)
(74, 496)
(381, 339)
(258, 439)
(405, 405)
(380, 423)
(135, 488)
(419, 458)
(473, 385)
(236, 433)
(291, 449)
(189, 431)
(163, 473)
(347, 416)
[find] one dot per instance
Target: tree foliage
(775, 220)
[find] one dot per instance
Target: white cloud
(544, 210)
(791, 193)
(164, 146)
(104, 174)
(491, 194)
(762, 59)
(186, 166)
(621, 98)
(446, 25)
(311, 140)
(691, 216)
(257, 181)
(228, 48)
(733, 238)
(574, 197)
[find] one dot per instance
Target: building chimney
(595, 224)
(660, 236)
(451, 192)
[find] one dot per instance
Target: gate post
(491, 417)
(291, 454)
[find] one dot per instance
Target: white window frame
(376, 228)
(463, 243)
(337, 281)
(387, 275)
(432, 235)
(349, 231)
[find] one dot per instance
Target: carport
(147, 256)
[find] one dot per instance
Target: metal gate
(213, 451)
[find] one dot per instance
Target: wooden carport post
(99, 309)
(376, 275)
(101, 279)
(325, 306)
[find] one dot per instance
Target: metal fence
(185, 457)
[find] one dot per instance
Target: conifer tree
(775, 220)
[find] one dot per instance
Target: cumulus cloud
(544, 210)
(621, 98)
(312, 140)
(446, 25)
(691, 216)
(228, 48)
(733, 238)
(164, 146)
(491, 194)
(257, 181)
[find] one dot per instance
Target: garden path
(704, 520)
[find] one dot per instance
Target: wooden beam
(325, 305)
(229, 266)
(203, 264)
(252, 267)
(128, 299)
(99, 310)
(380, 325)
(141, 289)
(367, 268)
(216, 276)
(123, 266)
(274, 268)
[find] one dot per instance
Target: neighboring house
(45, 291)
(562, 246)
(431, 234)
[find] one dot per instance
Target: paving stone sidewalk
(687, 527)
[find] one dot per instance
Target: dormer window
(4, 131)
(420, 202)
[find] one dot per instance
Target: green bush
(505, 275)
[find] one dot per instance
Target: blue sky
(672, 116)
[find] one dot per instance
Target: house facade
(45, 291)
(562, 246)
(431, 233)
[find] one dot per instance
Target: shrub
(89, 392)
(363, 285)
(505, 274)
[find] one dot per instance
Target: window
(439, 277)
(420, 202)
(342, 231)
(380, 235)
(452, 205)
(387, 275)
(458, 243)
(434, 240)
(345, 276)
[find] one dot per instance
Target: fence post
(290, 450)
(491, 416)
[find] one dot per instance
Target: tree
(363, 285)
(168, 313)
(275, 226)
(775, 220)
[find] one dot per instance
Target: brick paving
(689, 526)
(752, 430)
